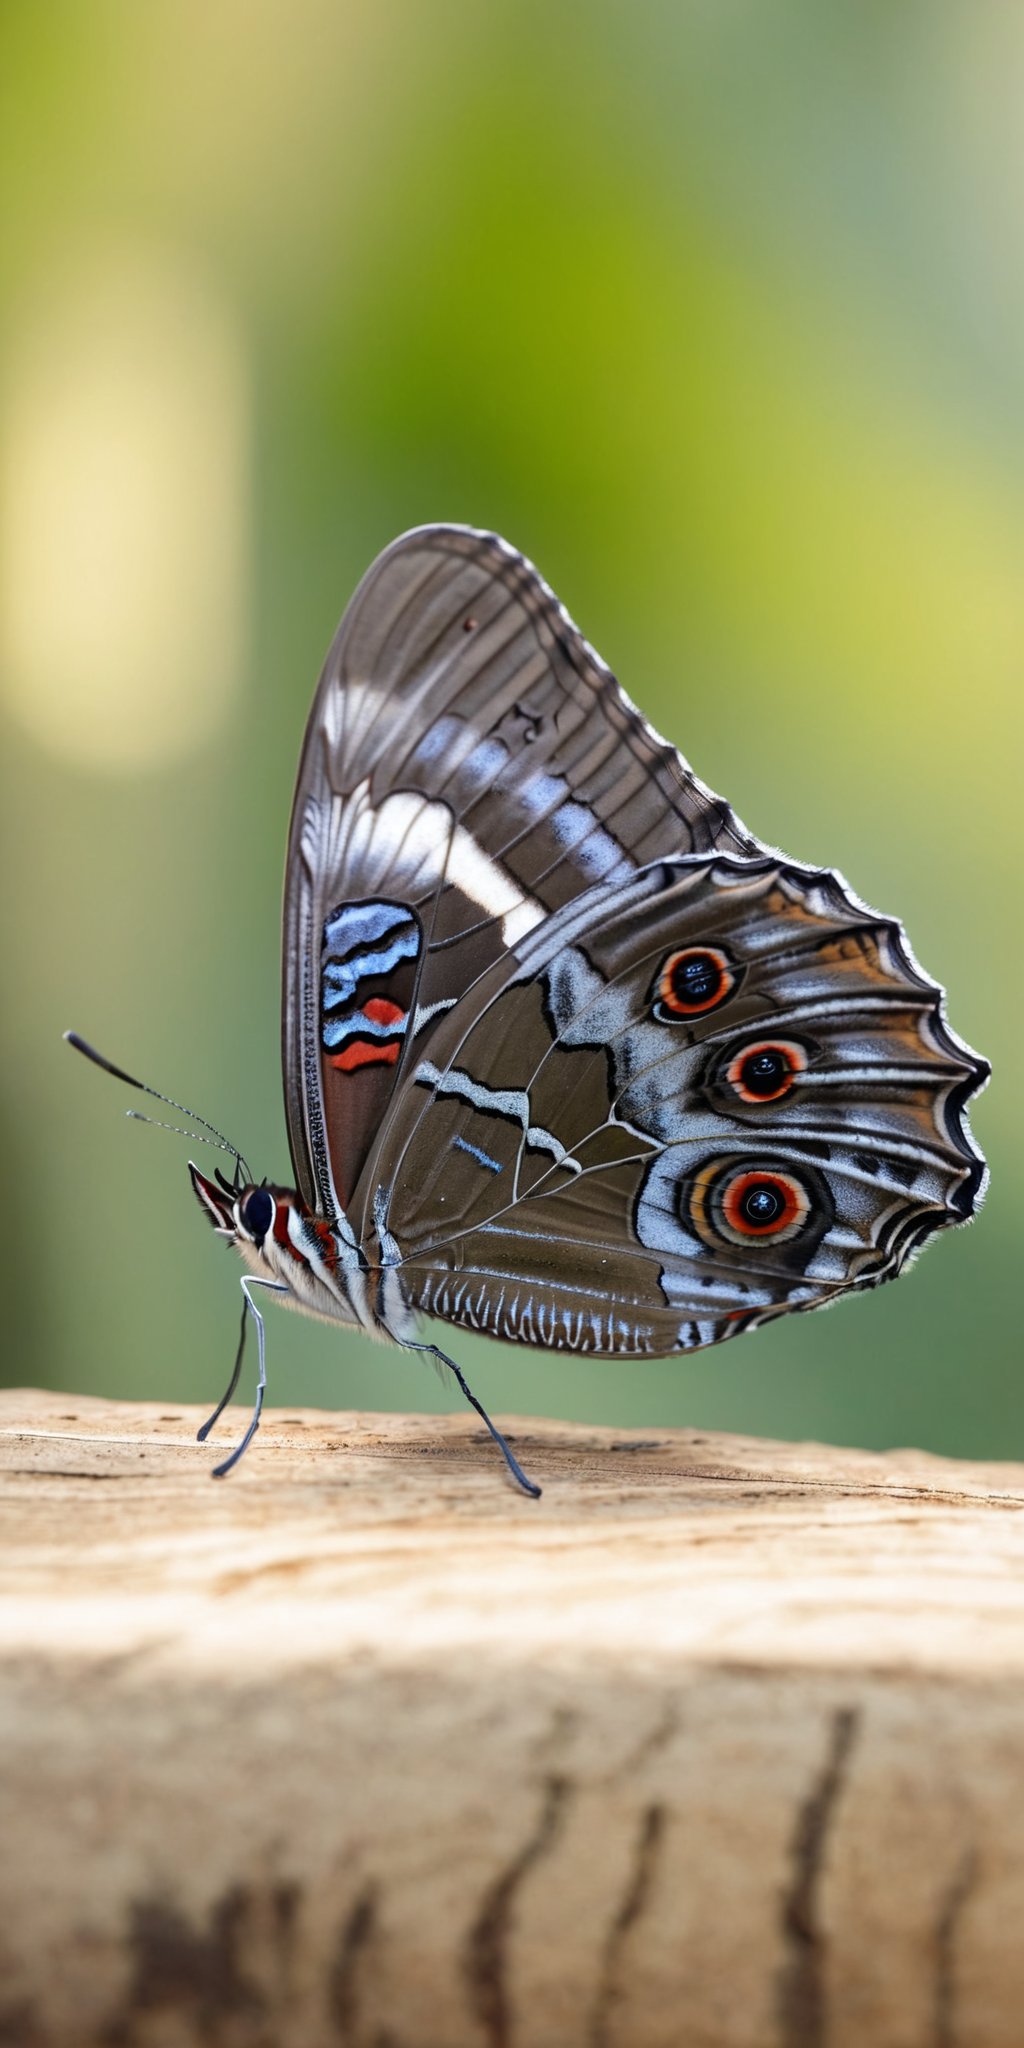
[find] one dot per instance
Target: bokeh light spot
(123, 520)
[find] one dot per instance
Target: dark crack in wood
(343, 1988)
(944, 2032)
(631, 1909)
(801, 1988)
(191, 1976)
(485, 1958)
(38, 1472)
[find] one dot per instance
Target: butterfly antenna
(215, 1137)
(201, 1137)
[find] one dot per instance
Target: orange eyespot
(694, 980)
(741, 1202)
(763, 1204)
(764, 1072)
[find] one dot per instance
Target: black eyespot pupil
(258, 1212)
(696, 979)
(762, 1204)
(764, 1072)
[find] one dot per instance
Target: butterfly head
(278, 1239)
(241, 1212)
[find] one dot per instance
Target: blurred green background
(715, 311)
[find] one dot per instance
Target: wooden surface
(721, 1742)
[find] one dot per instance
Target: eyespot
(764, 1204)
(764, 1072)
(748, 1202)
(257, 1213)
(694, 980)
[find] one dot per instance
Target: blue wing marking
(482, 1158)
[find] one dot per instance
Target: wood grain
(718, 1745)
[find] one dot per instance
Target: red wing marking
(381, 1010)
(363, 1052)
(370, 1052)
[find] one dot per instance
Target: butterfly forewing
(469, 766)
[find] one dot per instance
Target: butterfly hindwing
(683, 1104)
(470, 766)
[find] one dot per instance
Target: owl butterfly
(570, 1058)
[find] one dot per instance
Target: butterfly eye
(257, 1213)
(764, 1072)
(694, 980)
(749, 1202)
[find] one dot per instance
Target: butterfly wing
(685, 1104)
(469, 767)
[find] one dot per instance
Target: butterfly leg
(507, 1453)
(203, 1433)
(249, 1308)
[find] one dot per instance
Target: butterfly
(570, 1057)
